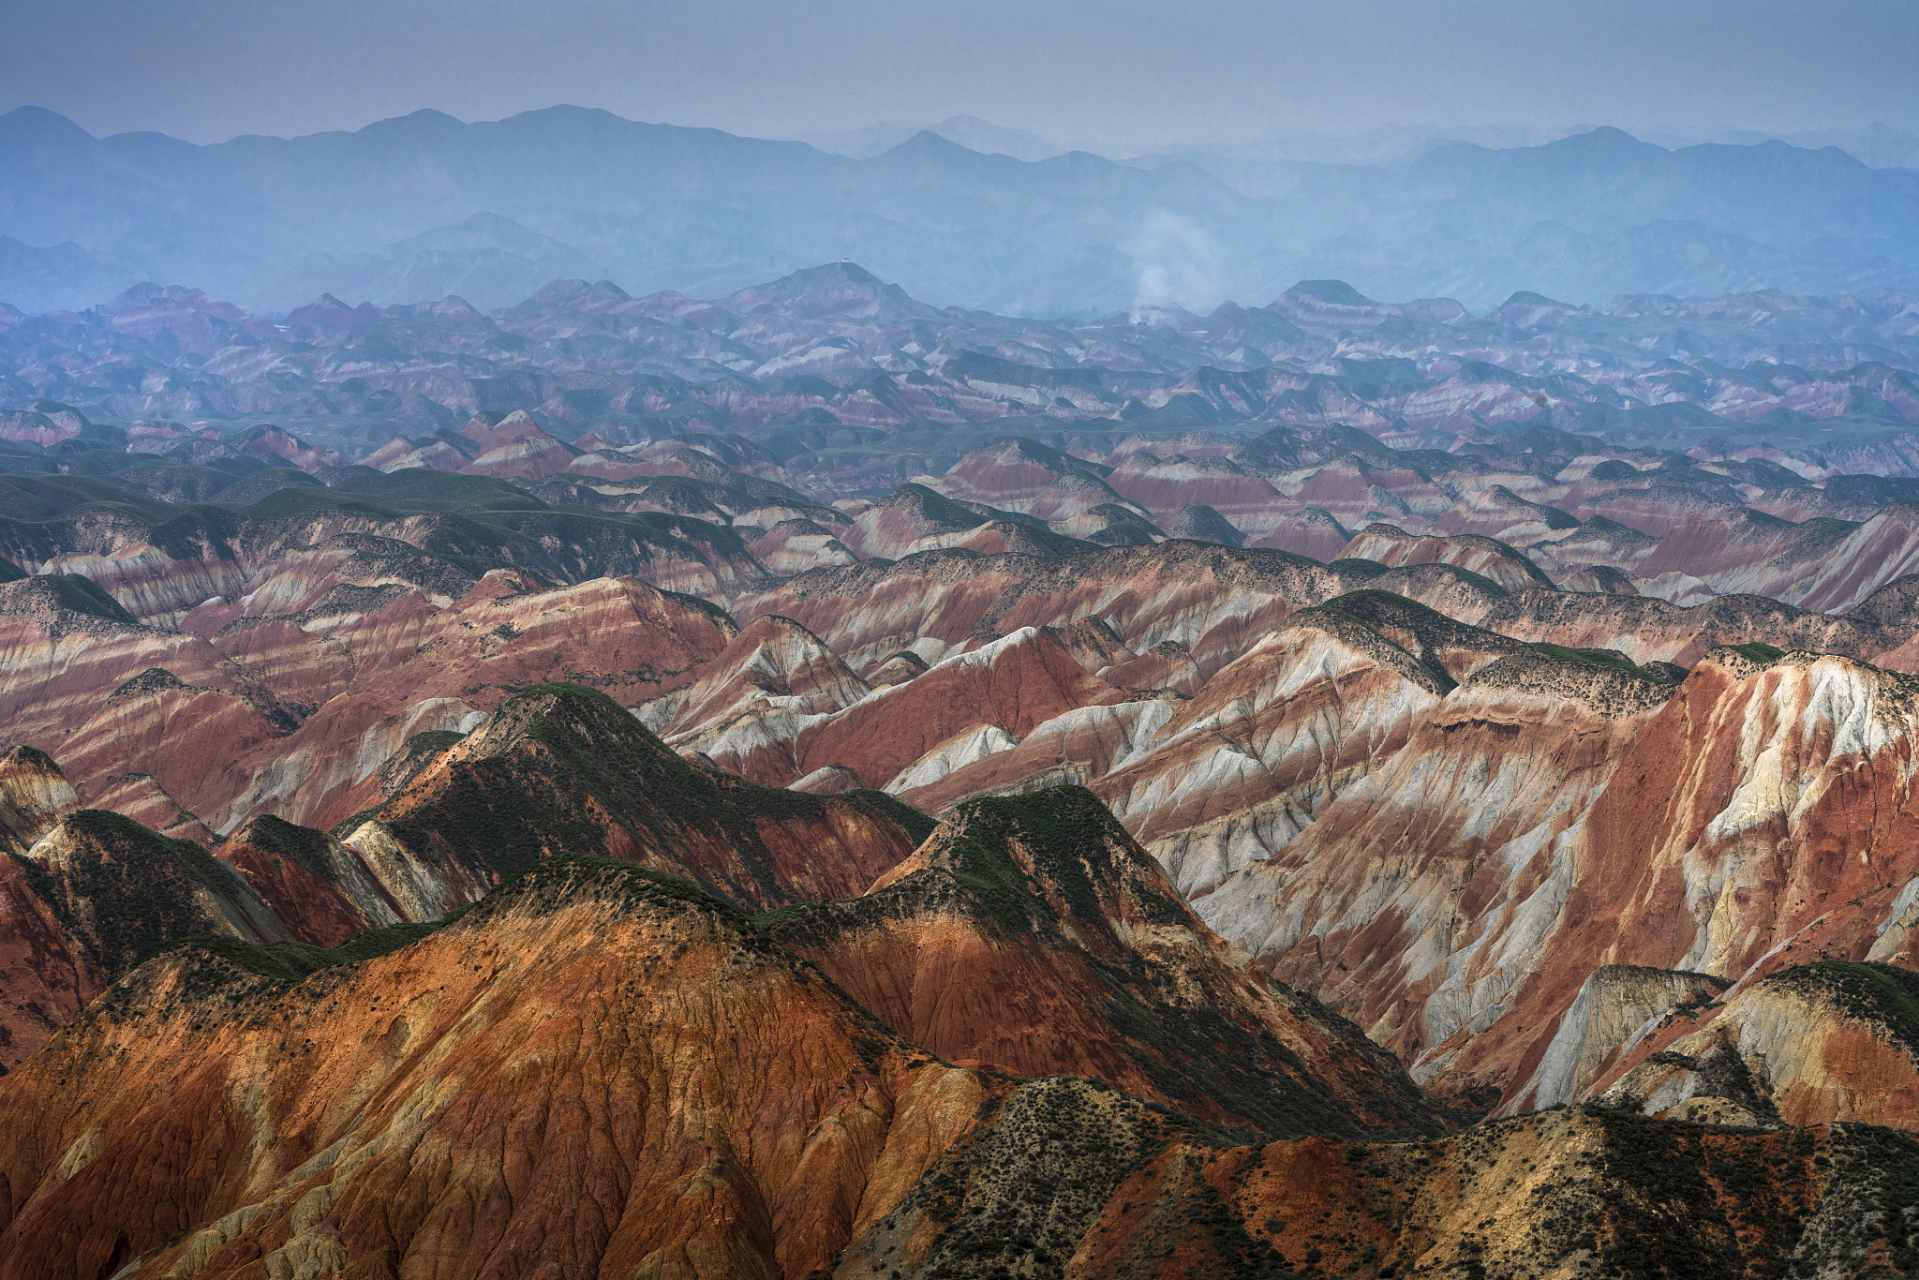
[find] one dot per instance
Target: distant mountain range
(424, 206)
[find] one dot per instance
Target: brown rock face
(1032, 935)
(759, 694)
(1311, 533)
(1322, 701)
(1758, 822)
(910, 735)
(603, 1071)
(319, 890)
(1421, 894)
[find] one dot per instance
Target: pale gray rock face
(1616, 1008)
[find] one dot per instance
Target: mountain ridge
(1071, 232)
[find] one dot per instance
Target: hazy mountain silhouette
(419, 206)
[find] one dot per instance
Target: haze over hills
(796, 777)
(406, 209)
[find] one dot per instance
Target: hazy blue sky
(1125, 71)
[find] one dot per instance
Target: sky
(1120, 73)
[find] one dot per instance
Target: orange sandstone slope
(88, 894)
(1032, 935)
(602, 1071)
(565, 769)
(597, 1071)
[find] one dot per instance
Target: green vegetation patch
(420, 490)
(1754, 651)
(77, 594)
(1609, 658)
(1068, 834)
(292, 962)
(48, 497)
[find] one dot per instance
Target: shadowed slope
(1033, 935)
(96, 894)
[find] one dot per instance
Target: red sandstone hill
(1034, 936)
(560, 769)
(293, 712)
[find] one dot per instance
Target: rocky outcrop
(161, 568)
(34, 795)
(1247, 764)
(1882, 549)
(1751, 822)
(1073, 747)
(1017, 474)
(1616, 1009)
(1231, 776)
(93, 896)
(772, 681)
(1429, 887)
(1312, 533)
(1200, 523)
(914, 518)
(319, 891)
(794, 546)
(1163, 488)
(1601, 578)
(1833, 1040)
(1007, 687)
